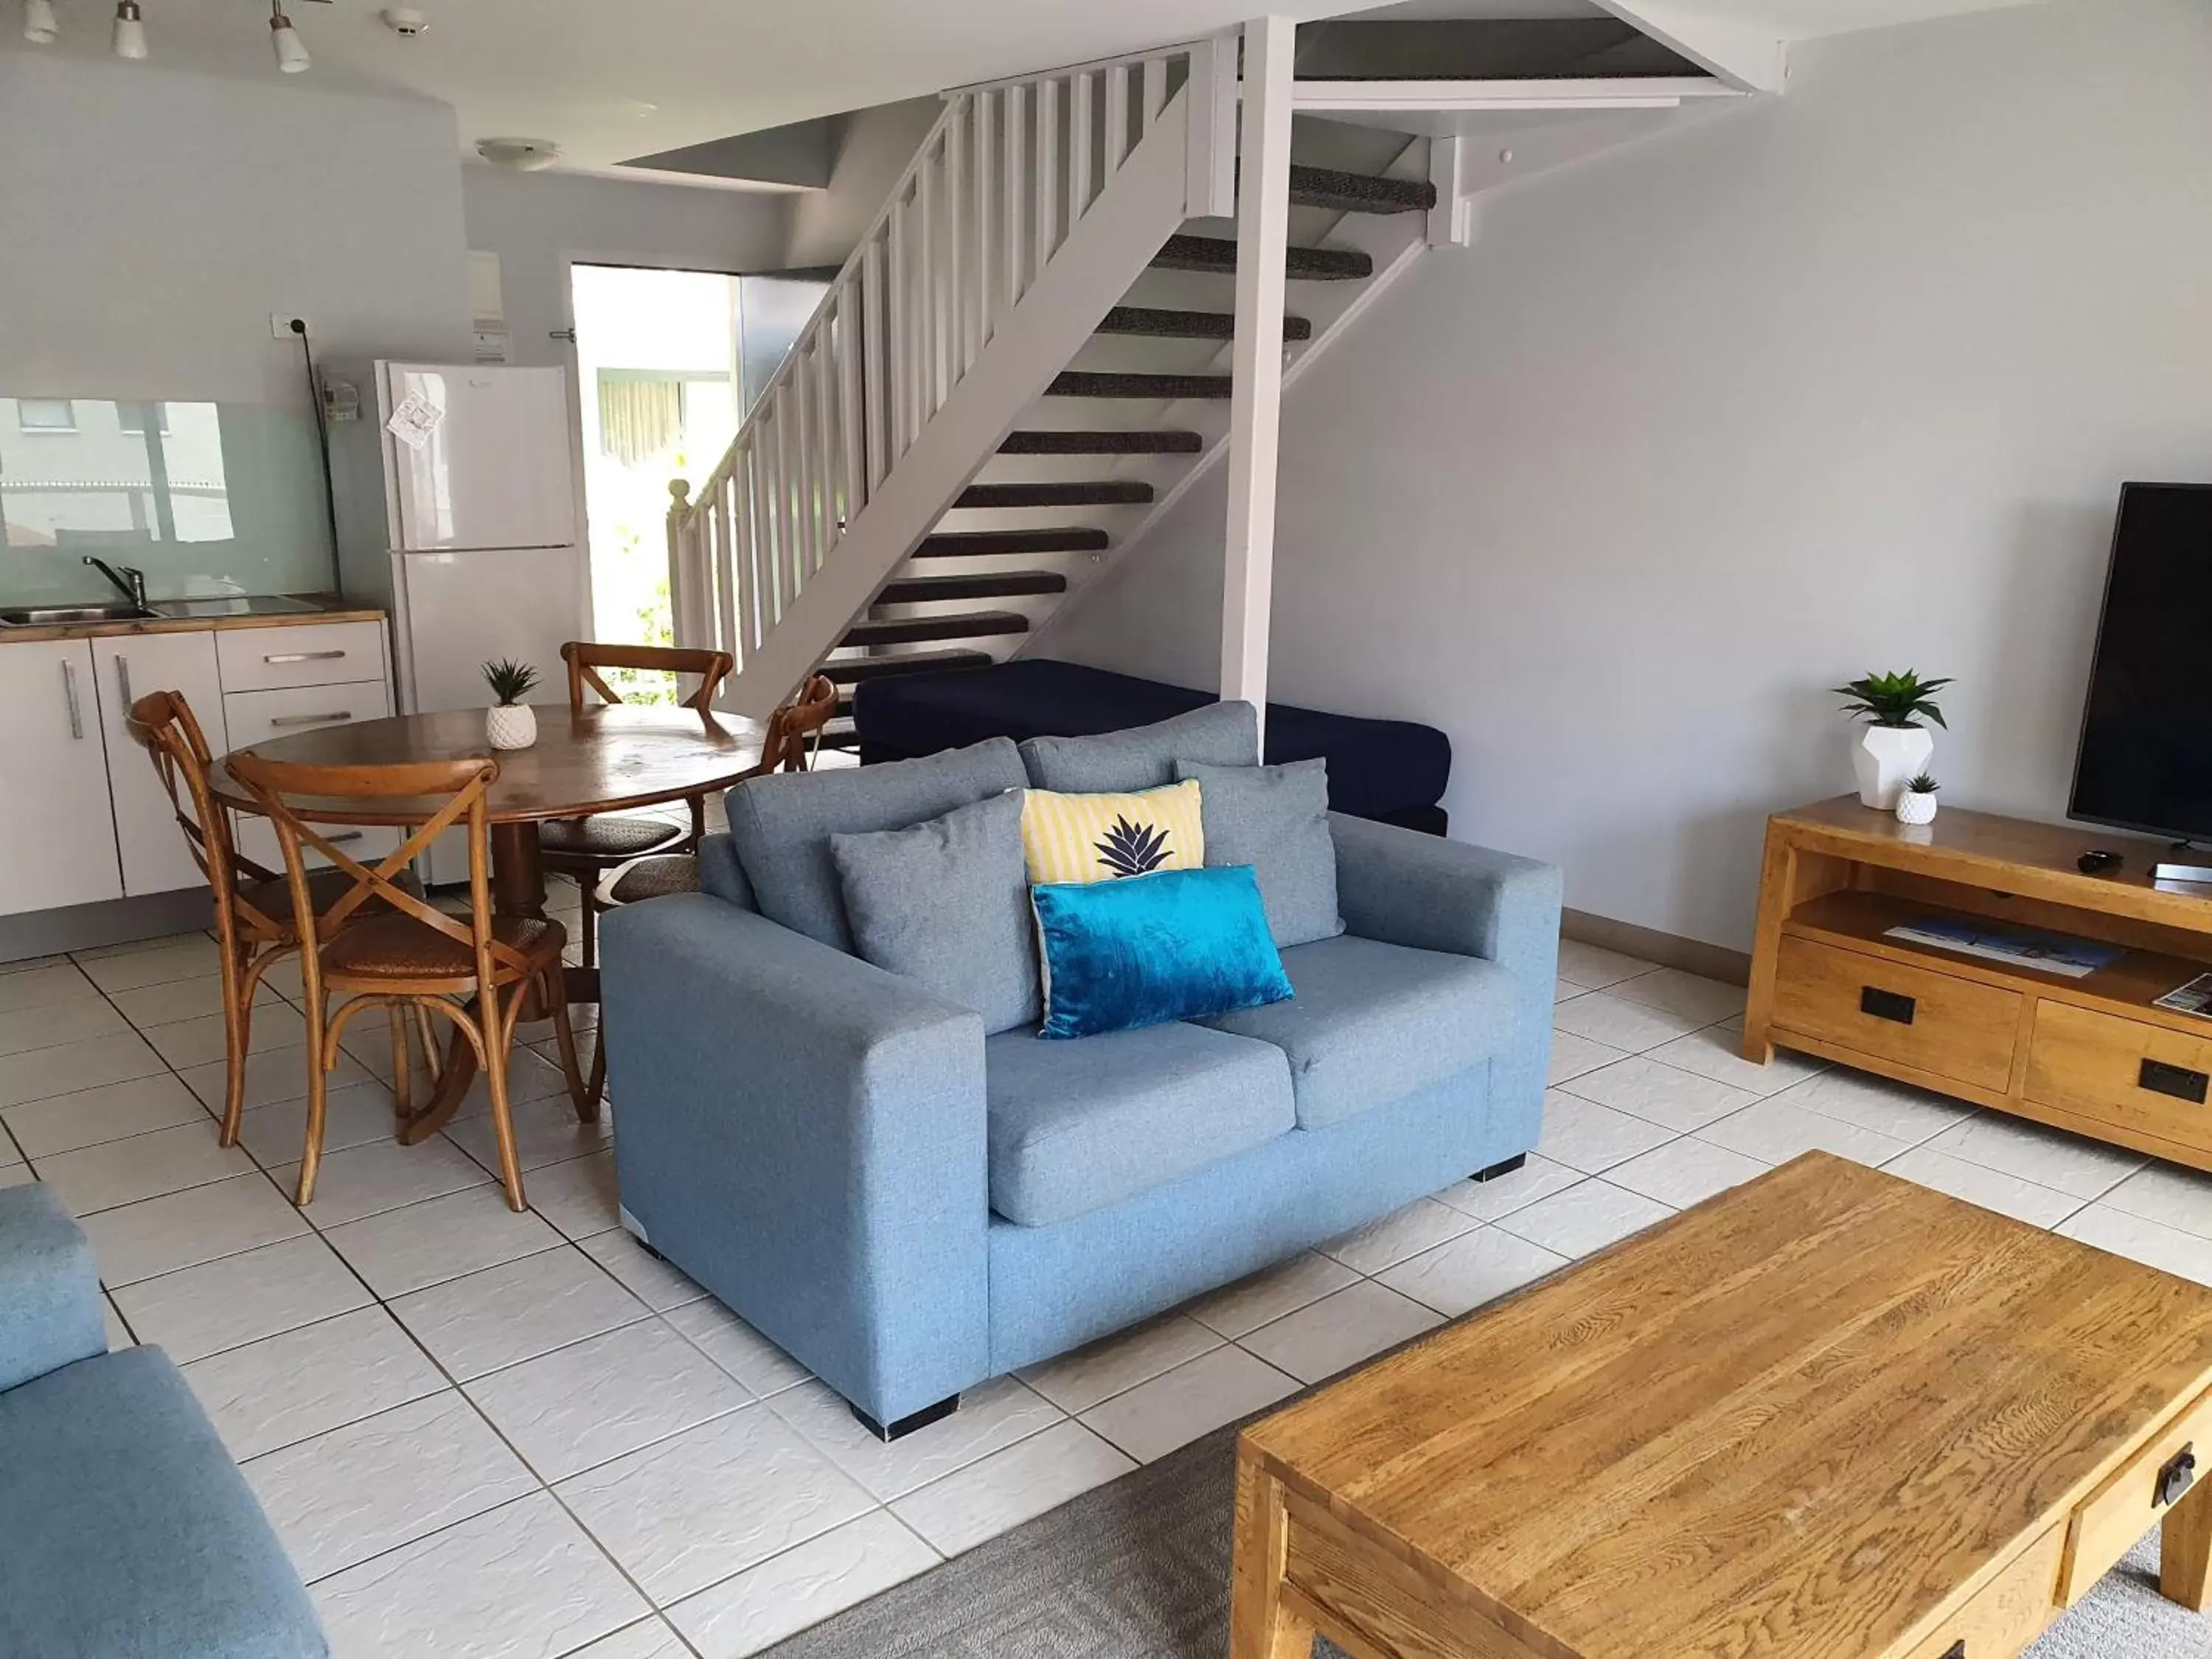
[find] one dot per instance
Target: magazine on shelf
(2016, 947)
(2194, 998)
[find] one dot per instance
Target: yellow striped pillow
(1087, 838)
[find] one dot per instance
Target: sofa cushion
(781, 824)
(1373, 1021)
(946, 903)
(1275, 819)
(1084, 838)
(128, 1533)
(1078, 1126)
(1144, 757)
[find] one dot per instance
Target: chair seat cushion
(656, 877)
(607, 835)
(128, 1533)
(324, 888)
(400, 947)
(1372, 1021)
(1078, 1125)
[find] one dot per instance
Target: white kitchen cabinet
(58, 843)
(157, 858)
(261, 716)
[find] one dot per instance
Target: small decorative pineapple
(510, 723)
(1916, 802)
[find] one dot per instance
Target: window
(139, 418)
(45, 415)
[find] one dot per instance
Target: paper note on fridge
(414, 420)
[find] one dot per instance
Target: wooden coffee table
(1829, 1414)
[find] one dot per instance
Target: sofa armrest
(720, 874)
(1405, 888)
(49, 1309)
(805, 1133)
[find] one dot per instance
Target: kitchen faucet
(129, 580)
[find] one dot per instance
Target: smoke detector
(520, 154)
(405, 22)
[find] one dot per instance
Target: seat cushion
(655, 877)
(400, 947)
(781, 824)
(1144, 757)
(273, 898)
(128, 1533)
(609, 835)
(1372, 1021)
(1078, 1126)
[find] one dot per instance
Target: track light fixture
(130, 31)
(40, 27)
(291, 51)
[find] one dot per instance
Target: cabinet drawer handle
(69, 695)
(330, 718)
(305, 656)
(2178, 1081)
(2175, 1477)
(340, 839)
(123, 682)
(1886, 1005)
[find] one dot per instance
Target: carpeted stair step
(911, 631)
(979, 584)
(1090, 492)
(1081, 383)
(1189, 324)
(853, 669)
(981, 543)
(1218, 253)
(1359, 192)
(1143, 441)
(841, 734)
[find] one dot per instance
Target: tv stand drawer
(2122, 1071)
(1955, 1028)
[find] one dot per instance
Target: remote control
(2097, 861)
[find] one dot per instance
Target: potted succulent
(1916, 802)
(1894, 745)
(510, 723)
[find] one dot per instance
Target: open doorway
(658, 371)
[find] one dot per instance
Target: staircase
(1021, 365)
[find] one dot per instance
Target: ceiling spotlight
(130, 31)
(291, 51)
(40, 26)
(520, 154)
(405, 22)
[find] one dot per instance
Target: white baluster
(825, 450)
(1079, 149)
(1156, 91)
(987, 268)
(852, 484)
(1047, 172)
(1117, 118)
(1017, 193)
(952, 343)
(876, 389)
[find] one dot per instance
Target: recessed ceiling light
(522, 155)
(405, 21)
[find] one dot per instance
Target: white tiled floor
(484, 1434)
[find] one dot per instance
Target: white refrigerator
(483, 525)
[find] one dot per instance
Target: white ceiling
(609, 80)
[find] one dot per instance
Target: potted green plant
(1916, 802)
(510, 723)
(1894, 745)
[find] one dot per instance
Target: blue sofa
(911, 1208)
(126, 1531)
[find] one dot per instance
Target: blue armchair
(911, 1207)
(126, 1531)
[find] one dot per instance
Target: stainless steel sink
(254, 605)
(66, 615)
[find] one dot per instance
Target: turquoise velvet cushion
(1175, 944)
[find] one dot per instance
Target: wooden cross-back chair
(589, 848)
(408, 953)
(255, 925)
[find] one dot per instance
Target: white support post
(1263, 219)
(1450, 224)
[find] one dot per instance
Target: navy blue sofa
(1391, 771)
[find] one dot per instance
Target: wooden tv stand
(2089, 1054)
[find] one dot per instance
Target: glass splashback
(207, 499)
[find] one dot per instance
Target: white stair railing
(1012, 172)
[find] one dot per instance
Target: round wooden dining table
(609, 759)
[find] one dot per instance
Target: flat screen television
(2145, 761)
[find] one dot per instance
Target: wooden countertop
(337, 612)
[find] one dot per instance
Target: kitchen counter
(326, 608)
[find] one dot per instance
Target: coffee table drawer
(1955, 1028)
(2122, 1069)
(2136, 1498)
(2010, 1612)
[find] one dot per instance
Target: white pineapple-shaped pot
(1915, 806)
(511, 725)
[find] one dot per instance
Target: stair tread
(1143, 440)
(1218, 253)
(1091, 492)
(1189, 324)
(966, 625)
(979, 544)
(857, 669)
(1359, 193)
(1080, 383)
(970, 584)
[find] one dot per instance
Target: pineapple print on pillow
(1087, 838)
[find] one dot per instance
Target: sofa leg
(1497, 1171)
(906, 1426)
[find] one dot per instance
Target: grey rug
(1139, 1569)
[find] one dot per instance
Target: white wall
(1847, 380)
(873, 146)
(537, 222)
(154, 218)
